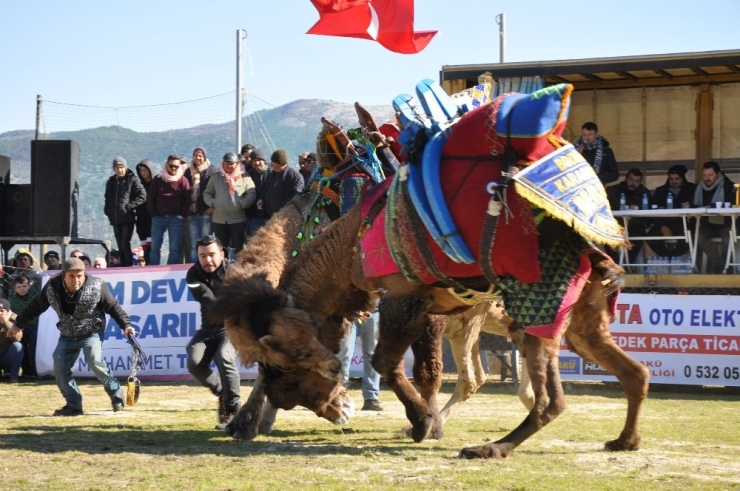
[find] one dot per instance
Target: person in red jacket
(168, 201)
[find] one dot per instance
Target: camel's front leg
(245, 424)
(542, 363)
(402, 322)
(428, 369)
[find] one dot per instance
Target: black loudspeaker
(5, 169)
(18, 222)
(55, 171)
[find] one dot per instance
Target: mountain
(293, 127)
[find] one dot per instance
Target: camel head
(265, 327)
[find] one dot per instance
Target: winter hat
(279, 157)
(51, 254)
(73, 263)
(231, 157)
(258, 154)
(679, 169)
(120, 161)
(311, 156)
(205, 154)
(4, 304)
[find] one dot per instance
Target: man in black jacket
(81, 302)
(123, 194)
(714, 187)
(210, 343)
(682, 193)
(634, 194)
(596, 150)
(282, 185)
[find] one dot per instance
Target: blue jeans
(368, 331)
(65, 356)
(173, 226)
(200, 226)
(12, 359)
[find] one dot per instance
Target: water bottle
(645, 203)
(622, 202)
(669, 201)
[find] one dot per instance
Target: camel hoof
(265, 427)
(243, 426)
(620, 445)
(421, 430)
(490, 451)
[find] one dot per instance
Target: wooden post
(704, 106)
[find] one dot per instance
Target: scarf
(718, 188)
(231, 179)
(598, 144)
(167, 177)
(196, 171)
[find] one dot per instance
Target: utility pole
(239, 94)
(500, 20)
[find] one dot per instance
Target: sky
(138, 53)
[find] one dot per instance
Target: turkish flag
(389, 22)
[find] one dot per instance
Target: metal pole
(500, 20)
(39, 102)
(238, 90)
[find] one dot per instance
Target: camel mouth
(341, 408)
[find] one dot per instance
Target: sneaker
(68, 411)
(117, 404)
(226, 419)
(14, 380)
(372, 405)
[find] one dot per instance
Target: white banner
(681, 339)
(164, 314)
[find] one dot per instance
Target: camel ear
(270, 342)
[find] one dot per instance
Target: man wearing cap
(25, 265)
(123, 194)
(51, 259)
(682, 193)
(259, 173)
(229, 192)
(11, 349)
(306, 162)
(282, 185)
(81, 302)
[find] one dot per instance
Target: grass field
(691, 440)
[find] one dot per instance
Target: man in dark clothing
(634, 192)
(714, 187)
(682, 193)
(596, 150)
(123, 195)
(81, 302)
(143, 217)
(169, 201)
(259, 172)
(282, 185)
(307, 163)
(51, 259)
(210, 343)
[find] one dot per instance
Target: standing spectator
(169, 201)
(259, 173)
(76, 253)
(634, 192)
(143, 217)
(123, 195)
(100, 263)
(246, 154)
(114, 259)
(714, 187)
(81, 302)
(367, 327)
(306, 162)
(86, 261)
(19, 300)
(210, 342)
(230, 192)
(25, 265)
(11, 350)
(283, 184)
(682, 193)
(141, 261)
(597, 152)
(51, 259)
(199, 214)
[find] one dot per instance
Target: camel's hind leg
(403, 321)
(588, 336)
(544, 372)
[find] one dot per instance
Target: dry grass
(691, 440)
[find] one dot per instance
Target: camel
(290, 328)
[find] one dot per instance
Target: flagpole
(239, 90)
(500, 20)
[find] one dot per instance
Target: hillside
(293, 127)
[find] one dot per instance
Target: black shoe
(226, 419)
(68, 411)
(117, 404)
(372, 405)
(221, 408)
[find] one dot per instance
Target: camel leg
(463, 333)
(269, 414)
(525, 392)
(542, 363)
(246, 422)
(589, 337)
(428, 369)
(402, 322)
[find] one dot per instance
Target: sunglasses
(171, 166)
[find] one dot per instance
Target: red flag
(389, 22)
